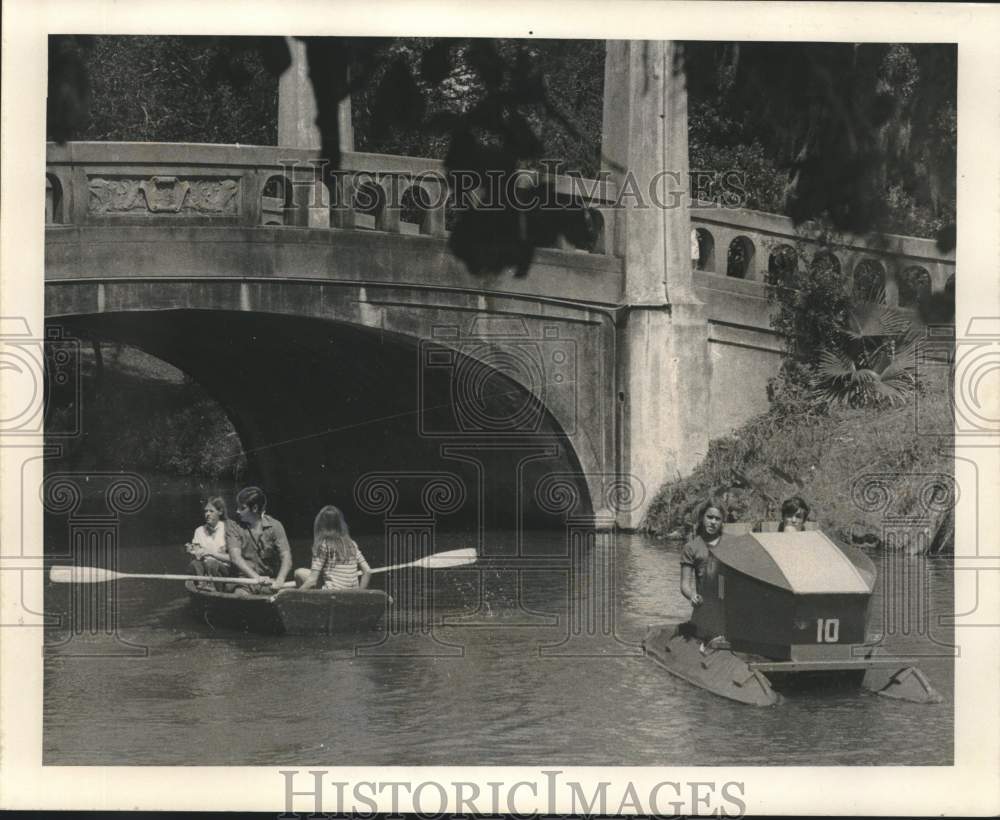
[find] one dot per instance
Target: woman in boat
(698, 569)
(709, 518)
(794, 514)
(208, 545)
(336, 558)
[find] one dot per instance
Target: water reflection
(525, 660)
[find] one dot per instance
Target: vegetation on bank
(854, 426)
(138, 413)
(827, 458)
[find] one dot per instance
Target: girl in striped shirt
(336, 558)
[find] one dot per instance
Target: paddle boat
(781, 610)
(289, 611)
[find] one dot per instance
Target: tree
(811, 304)
(871, 362)
(169, 89)
(859, 135)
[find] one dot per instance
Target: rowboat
(778, 610)
(290, 611)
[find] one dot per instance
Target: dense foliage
(861, 135)
(845, 345)
(550, 92)
(794, 449)
(872, 362)
(181, 429)
(161, 89)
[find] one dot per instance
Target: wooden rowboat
(290, 611)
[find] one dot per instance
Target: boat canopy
(803, 563)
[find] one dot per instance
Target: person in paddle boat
(794, 514)
(697, 562)
(336, 559)
(259, 548)
(207, 547)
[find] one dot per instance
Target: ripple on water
(487, 694)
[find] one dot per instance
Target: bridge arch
(914, 285)
(826, 260)
(740, 258)
(54, 199)
(321, 397)
(868, 280)
(782, 261)
(706, 250)
(369, 201)
(276, 200)
(415, 208)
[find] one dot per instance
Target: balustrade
(750, 245)
(146, 183)
(272, 187)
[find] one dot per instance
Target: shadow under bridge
(381, 424)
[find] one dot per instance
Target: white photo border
(971, 786)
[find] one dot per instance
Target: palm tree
(872, 362)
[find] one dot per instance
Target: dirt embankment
(877, 477)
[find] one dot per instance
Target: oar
(99, 575)
(440, 560)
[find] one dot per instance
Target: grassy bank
(826, 458)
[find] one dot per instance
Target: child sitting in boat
(698, 570)
(208, 546)
(794, 514)
(336, 558)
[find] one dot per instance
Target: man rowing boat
(259, 549)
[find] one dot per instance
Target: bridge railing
(747, 245)
(107, 183)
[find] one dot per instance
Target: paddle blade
(81, 575)
(452, 558)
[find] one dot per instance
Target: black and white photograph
(434, 409)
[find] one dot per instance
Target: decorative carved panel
(163, 195)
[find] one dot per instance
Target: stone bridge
(341, 337)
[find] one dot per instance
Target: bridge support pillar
(664, 367)
(664, 396)
(297, 106)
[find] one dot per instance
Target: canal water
(529, 659)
